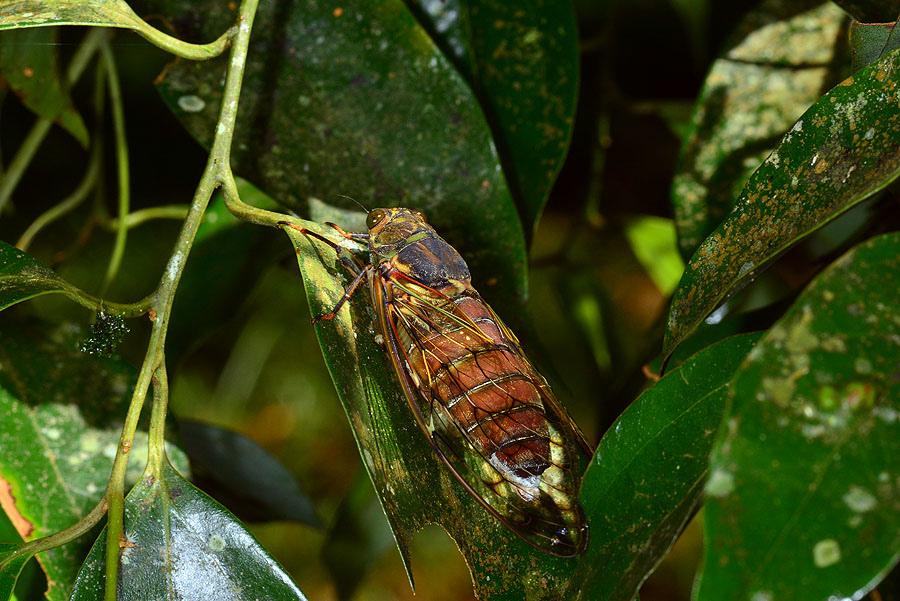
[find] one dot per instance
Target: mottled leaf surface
(356, 100)
(869, 41)
(648, 472)
(523, 66)
(803, 488)
(779, 61)
(21, 277)
(181, 544)
(58, 437)
(414, 488)
(28, 63)
(845, 148)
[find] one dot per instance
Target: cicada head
(392, 228)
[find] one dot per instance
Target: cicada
(490, 417)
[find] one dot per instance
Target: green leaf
(870, 11)
(412, 484)
(844, 149)
(523, 65)
(58, 436)
(35, 13)
(779, 61)
(870, 41)
(10, 567)
(28, 63)
(184, 545)
(245, 475)
(357, 101)
(647, 474)
(21, 277)
(802, 494)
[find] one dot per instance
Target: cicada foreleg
(353, 264)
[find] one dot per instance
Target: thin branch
(123, 174)
(216, 173)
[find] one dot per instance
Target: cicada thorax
(490, 415)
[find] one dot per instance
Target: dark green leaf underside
(803, 486)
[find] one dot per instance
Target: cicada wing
(562, 416)
(539, 506)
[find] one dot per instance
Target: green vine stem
(91, 176)
(115, 97)
(217, 173)
(136, 218)
(242, 210)
(68, 203)
(157, 443)
(32, 142)
(194, 52)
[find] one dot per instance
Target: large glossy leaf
(843, 150)
(58, 436)
(803, 485)
(648, 472)
(778, 62)
(21, 277)
(523, 65)
(28, 63)
(184, 545)
(413, 486)
(356, 100)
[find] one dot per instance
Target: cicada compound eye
(375, 217)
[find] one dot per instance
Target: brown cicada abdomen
(490, 416)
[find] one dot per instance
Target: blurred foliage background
(603, 262)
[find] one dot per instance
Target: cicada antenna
(361, 206)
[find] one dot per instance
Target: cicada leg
(352, 264)
(347, 294)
